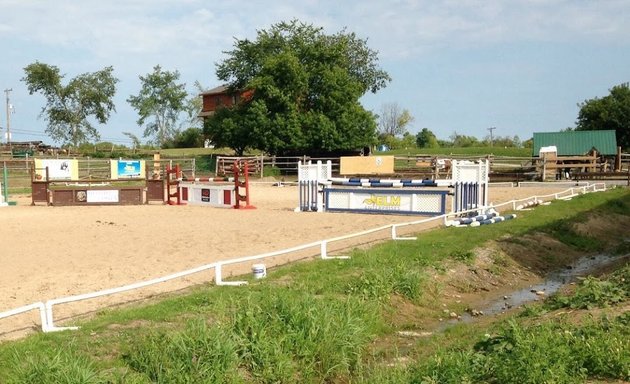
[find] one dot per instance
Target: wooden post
(618, 160)
(156, 165)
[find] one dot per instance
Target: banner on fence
(58, 169)
(127, 169)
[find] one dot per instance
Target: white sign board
(58, 169)
(102, 196)
(386, 201)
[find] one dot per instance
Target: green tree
(68, 108)
(306, 89)
(609, 112)
(227, 127)
(502, 141)
(426, 139)
(461, 141)
(192, 107)
(393, 120)
(135, 141)
(161, 99)
(189, 138)
(517, 141)
(408, 141)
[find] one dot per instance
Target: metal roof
(576, 143)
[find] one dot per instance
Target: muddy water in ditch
(552, 283)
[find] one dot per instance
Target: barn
(577, 143)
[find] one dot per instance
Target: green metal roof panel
(577, 143)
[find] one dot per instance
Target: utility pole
(491, 139)
(6, 92)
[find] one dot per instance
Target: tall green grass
(53, 366)
(554, 352)
(200, 353)
(271, 336)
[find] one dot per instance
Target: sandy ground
(52, 252)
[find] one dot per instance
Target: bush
(269, 171)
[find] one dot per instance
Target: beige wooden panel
(366, 165)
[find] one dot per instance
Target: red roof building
(221, 97)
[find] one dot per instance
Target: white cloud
(397, 29)
(408, 28)
(190, 35)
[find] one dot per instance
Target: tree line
(70, 108)
(304, 96)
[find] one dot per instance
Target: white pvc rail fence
(46, 309)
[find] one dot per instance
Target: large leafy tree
(159, 103)
(306, 88)
(609, 112)
(69, 108)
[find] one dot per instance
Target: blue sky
(462, 66)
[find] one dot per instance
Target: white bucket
(259, 271)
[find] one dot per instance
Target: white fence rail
(46, 309)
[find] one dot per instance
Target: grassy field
(372, 319)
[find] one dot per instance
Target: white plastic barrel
(259, 271)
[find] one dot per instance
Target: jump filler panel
(390, 201)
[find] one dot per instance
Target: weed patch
(553, 352)
(594, 292)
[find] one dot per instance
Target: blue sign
(129, 168)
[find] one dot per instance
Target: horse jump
(223, 192)
(317, 191)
